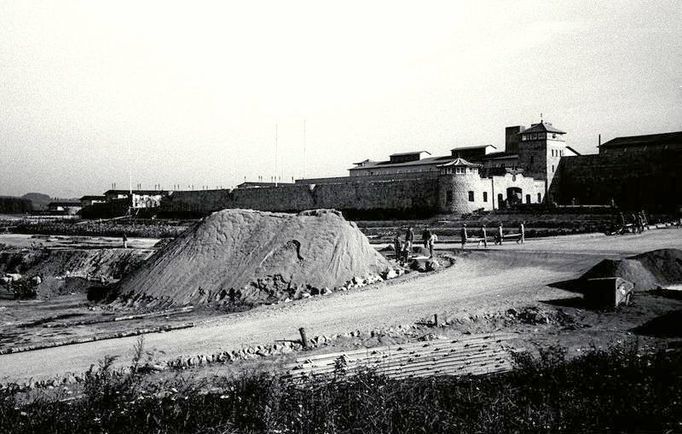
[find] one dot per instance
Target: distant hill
(39, 200)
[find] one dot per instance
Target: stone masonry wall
(634, 180)
(401, 196)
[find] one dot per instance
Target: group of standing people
(403, 248)
(638, 222)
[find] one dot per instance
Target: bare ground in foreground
(480, 283)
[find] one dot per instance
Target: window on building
(561, 153)
(471, 196)
(539, 197)
(460, 170)
(448, 196)
(552, 168)
(485, 196)
(528, 198)
(500, 199)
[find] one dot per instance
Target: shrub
(605, 390)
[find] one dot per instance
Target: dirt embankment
(242, 258)
(63, 271)
(647, 271)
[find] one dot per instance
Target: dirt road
(481, 281)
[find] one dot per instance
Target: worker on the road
(645, 223)
(635, 223)
(432, 241)
(397, 246)
(500, 235)
(463, 234)
(409, 239)
(125, 240)
(522, 234)
(426, 237)
(484, 237)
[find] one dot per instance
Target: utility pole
(276, 140)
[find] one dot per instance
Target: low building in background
(64, 207)
(137, 198)
(91, 200)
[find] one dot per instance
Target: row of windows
(472, 198)
(557, 153)
(458, 170)
(500, 197)
(537, 136)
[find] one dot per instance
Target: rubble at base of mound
(242, 258)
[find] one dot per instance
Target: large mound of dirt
(244, 258)
(650, 270)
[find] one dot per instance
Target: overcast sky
(190, 92)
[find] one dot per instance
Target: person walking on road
(500, 235)
(463, 235)
(397, 246)
(125, 240)
(484, 236)
(426, 237)
(409, 239)
(522, 234)
(432, 241)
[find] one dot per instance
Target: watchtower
(540, 148)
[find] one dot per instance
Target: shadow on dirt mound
(665, 326)
(574, 302)
(573, 285)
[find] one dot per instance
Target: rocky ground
(503, 288)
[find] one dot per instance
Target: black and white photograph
(377, 216)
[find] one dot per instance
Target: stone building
(535, 166)
(481, 177)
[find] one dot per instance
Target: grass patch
(616, 390)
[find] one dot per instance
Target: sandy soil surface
(481, 281)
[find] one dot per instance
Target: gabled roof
(674, 138)
(363, 162)
(252, 184)
(399, 154)
(142, 192)
(430, 161)
(468, 148)
(542, 127)
(460, 162)
(573, 150)
(500, 156)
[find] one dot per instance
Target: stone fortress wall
(398, 196)
(638, 172)
(642, 178)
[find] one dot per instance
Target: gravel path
(481, 281)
